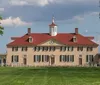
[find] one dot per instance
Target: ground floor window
(41, 58)
(15, 58)
(89, 58)
(66, 58)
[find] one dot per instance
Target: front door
(80, 61)
(24, 61)
(52, 60)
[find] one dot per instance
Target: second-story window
(64, 48)
(14, 48)
(24, 48)
(80, 49)
(89, 48)
(70, 48)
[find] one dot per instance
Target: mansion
(51, 49)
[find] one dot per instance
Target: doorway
(52, 60)
(80, 61)
(25, 61)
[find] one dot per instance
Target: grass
(49, 76)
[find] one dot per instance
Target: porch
(3, 59)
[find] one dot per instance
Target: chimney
(76, 30)
(29, 30)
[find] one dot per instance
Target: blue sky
(18, 15)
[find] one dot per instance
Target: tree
(1, 28)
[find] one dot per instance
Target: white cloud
(14, 22)
(46, 2)
(1, 9)
(29, 2)
(78, 18)
(75, 19)
(94, 13)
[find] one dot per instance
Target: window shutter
(60, 58)
(72, 58)
(34, 58)
(17, 58)
(86, 58)
(47, 58)
(12, 58)
(42, 58)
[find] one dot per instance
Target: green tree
(1, 28)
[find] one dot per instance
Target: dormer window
(30, 39)
(74, 39)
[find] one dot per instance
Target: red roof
(53, 24)
(90, 37)
(64, 38)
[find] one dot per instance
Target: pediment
(51, 42)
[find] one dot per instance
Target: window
(89, 48)
(24, 48)
(46, 48)
(52, 48)
(89, 58)
(60, 48)
(15, 58)
(70, 48)
(66, 58)
(74, 39)
(42, 58)
(63, 48)
(37, 48)
(30, 39)
(34, 58)
(72, 58)
(39, 58)
(14, 48)
(80, 49)
(53, 29)
(46, 58)
(60, 58)
(41, 48)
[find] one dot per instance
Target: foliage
(1, 28)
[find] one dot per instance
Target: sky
(18, 15)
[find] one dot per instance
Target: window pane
(42, 58)
(12, 59)
(60, 58)
(34, 58)
(86, 58)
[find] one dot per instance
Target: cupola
(53, 28)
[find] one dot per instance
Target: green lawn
(49, 76)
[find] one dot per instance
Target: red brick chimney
(29, 30)
(76, 30)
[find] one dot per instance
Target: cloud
(42, 10)
(1, 9)
(78, 18)
(29, 2)
(75, 19)
(46, 2)
(94, 13)
(14, 22)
